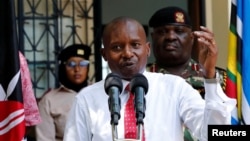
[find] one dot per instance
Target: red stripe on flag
(17, 132)
(231, 88)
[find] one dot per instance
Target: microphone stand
(140, 113)
(114, 132)
(139, 124)
(114, 122)
(138, 136)
(139, 132)
(139, 87)
(140, 107)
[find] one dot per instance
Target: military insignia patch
(80, 52)
(179, 17)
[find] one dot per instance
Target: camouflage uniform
(194, 76)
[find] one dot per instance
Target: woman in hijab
(56, 103)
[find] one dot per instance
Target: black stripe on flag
(11, 100)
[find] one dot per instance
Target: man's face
(126, 49)
(172, 44)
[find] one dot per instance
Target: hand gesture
(208, 51)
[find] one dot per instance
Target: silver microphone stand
(138, 136)
(139, 124)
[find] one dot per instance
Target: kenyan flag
(12, 124)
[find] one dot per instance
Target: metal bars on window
(45, 28)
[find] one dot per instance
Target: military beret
(78, 50)
(170, 15)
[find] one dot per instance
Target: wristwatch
(214, 80)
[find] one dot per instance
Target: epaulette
(222, 73)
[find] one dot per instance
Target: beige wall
(217, 17)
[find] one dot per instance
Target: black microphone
(113, 87)
(139, 87)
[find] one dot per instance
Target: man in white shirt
(170, 101)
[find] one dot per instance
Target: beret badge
(80, 52)
(179, 17)
(168, 16)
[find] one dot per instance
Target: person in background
(56, 103)
(32, 116)
(172, 43)
(170, 101)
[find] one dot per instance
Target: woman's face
(76, 69)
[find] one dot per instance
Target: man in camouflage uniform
(172, 40)
(192, 74)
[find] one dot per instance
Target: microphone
(139, 87)
(113, 87)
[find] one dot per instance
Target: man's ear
(103, 54)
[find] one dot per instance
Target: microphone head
(111, 80)
(139, 80)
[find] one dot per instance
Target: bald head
(117, 23)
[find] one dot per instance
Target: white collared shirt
(170, 104)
